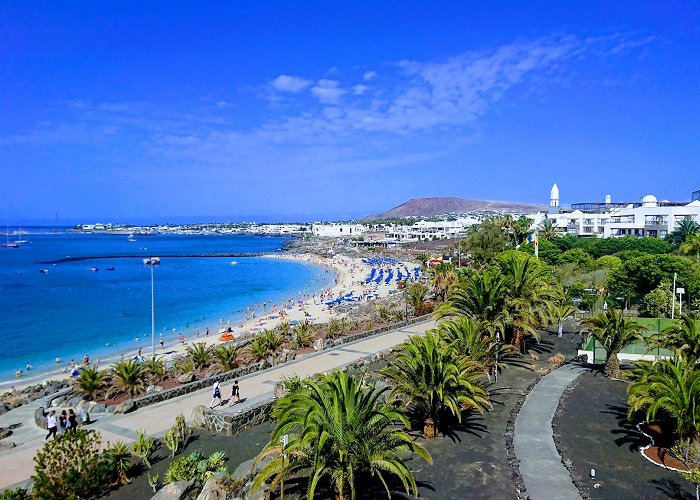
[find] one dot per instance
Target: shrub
(195, 466)
(181, 469)
(292, 383)
(15, 494)
(69, 467)
(557, 360)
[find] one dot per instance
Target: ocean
(72, 311)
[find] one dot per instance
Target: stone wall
(231, 424)
(157, 397)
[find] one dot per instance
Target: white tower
(554, 199)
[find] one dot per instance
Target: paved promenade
(17, 464)
(544, 475)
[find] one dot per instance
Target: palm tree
(225, 357)
(669, 387)
(90, 380)
(258, 348)
(337, 327)
(339, 431)
(481, 296)
(283, 327)
(683, 337)
(130, 376)
(118, 458)
(469, 338)
(547, 229)
(200, 354)
(429, 379)
(444, 277)
(155, 369)
(692, 246)
(303, 334)
(558, 312)
(530, 291)
(416, 295)
(383, 312)
(614, 332)
(272, 339)
(684, 228)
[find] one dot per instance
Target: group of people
(216, 394)
(65, 422)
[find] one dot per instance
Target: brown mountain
(426, 207)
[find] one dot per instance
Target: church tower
(554, 200)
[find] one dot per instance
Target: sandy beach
(350, 274)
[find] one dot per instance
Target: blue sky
(149, 111)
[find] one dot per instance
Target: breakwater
(162, 256)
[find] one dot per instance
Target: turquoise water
(71, 311)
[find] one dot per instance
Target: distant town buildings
(647, 217)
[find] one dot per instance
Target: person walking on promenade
(235, 393)
(72, 420)
(51, 424)
(63, 422)
(215, 394)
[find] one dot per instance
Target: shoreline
(349, 277)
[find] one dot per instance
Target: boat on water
(94, 269)
(233, 262)
(131, 238)
(8, 243)
(44, 271)
(110, 268)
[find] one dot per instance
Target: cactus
(153, 481)
(182, 429)
(142, 447)
(172, 441)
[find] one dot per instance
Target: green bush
(195, 466)
(15, 494)
(183, 468)
(70, 467)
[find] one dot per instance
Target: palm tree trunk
(612, 366)
(519, 339)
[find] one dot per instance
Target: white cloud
(359, 89)
(369, 75)
(286, 83)
(328, 91)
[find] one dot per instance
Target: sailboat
(19, 235)
(131, 238)
(8, 243)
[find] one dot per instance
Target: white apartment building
(648, 217)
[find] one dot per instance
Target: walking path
(544, 475)
(17, 464)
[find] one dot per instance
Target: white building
(648, 217)
(337, 230)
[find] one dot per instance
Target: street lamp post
(680, 291)
(152, 263)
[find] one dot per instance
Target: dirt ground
(594, 432)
